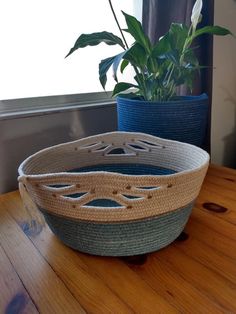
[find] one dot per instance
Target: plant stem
(187, 43)
(142, 84)
(170, 74)
(114, 14)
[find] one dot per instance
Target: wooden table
(195, 274)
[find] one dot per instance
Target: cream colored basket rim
(192, 148)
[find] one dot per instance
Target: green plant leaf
(122, 86)
(123, 65)
(171, 55)
(162, 46)
(131, 95)
(136, 30)
(104, 66)
(116, 63)
(178, 33)
(214, 30)
(188, 78)
(136, 55)
(190, 57)
(95, 39)
(171, 44)
(152, 65)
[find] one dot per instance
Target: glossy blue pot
(184, 119)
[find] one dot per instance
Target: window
(36, 35)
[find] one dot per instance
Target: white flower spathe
(196, 12)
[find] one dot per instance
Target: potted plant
(151, 104)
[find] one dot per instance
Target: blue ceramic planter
(183, 120)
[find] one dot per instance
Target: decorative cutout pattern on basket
(132, 147)
(83, 195)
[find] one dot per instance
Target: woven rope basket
(115, 194)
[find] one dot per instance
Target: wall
(224, 87)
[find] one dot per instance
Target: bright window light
(36, 35)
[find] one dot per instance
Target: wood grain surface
(195, 274)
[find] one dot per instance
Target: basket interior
(130, 169)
